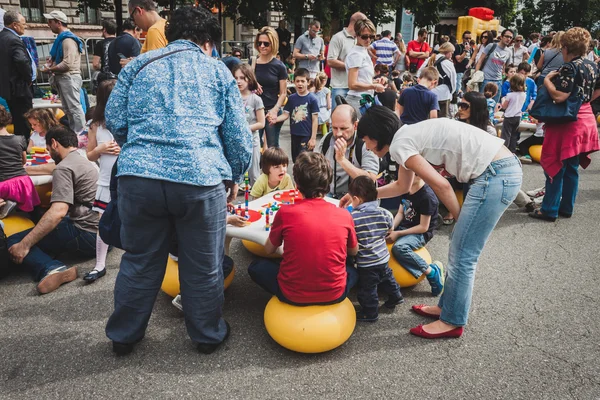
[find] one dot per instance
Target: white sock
(101, 250)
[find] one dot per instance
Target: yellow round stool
(10, 128)
(15, 224)
(170, 283)
(459, 196)
(535, 152)
(258, 249)
(403, 277)
(310, 329)
(45, 193)
(59, 113)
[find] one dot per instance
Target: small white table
(255, 232)
(41, 103)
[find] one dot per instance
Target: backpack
(444, 78)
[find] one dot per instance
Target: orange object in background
(486, 14)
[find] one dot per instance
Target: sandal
(537, 214)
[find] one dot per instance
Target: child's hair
(312, 174)
(490, 90)
(5, 117)
(517, 83)
(102, 95)
(508, 67)
(381, 69)
(320, 81)
(525, 67)
(395, 73)
(44, 116)
(301, 73)
(407, 77)
(271, 157)
(89, 113)
(430, 73)
(364, 188)
(248, 74)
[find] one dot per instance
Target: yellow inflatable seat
(536, 152)
(403, 277)
(170, 283)
(310, 329)
(258, 249)
(15, 224)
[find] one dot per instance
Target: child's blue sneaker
(436, 278)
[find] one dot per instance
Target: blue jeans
(272, 132)
(65, 238)
(264, 272)
(151, 212)
(334, 93)
(459, 76)
(489, 196)
(404, 252)
(561, 190)
(498, 83)
(369, 280)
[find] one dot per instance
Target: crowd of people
(175, 129)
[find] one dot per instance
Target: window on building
(88, 15)
(33, 10)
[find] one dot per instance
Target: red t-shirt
(416, 46)
(316, 236)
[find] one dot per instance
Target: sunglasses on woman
(365, 37)
(264, 44)
(463, 106)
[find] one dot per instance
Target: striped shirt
(372, 223)
(385, 50)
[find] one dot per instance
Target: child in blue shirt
(372, 224)
(414, 224)
(303, 108)
(530, 87)
(489, 91)
(418, 103)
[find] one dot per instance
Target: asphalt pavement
(533, 331)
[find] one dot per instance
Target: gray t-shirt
(341, 43)
(252, 104)
(11, 160)
(492, 71)
(308, 45)
(553, 60)
(369, 163)
(74, 182)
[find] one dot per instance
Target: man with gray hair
(340, 45)
(309, 49)
(15, 71)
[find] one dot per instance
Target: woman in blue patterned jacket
(178, 116)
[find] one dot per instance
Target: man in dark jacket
(15, 71)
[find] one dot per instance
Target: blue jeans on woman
(151, 212)
(66, 238)
(404, 252)
(272, 132)
(264, 273)
(489, 196)
(561, 190)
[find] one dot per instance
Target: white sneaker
(538, 200)
(7, 208)
(536, 192)
(177, 302)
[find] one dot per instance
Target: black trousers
(369, 279)
(18, 107)
(299, 144)
(510, 132)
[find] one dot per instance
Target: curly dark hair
(196, 24)
(5, 117)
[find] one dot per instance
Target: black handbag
(109, 226)
(545, 109)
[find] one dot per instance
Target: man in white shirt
(339, 46)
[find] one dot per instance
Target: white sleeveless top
(106, 161)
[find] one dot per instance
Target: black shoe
(363, 317)
(208, 348)
(537, 214)
(393, 302)
(122, 349)
(94, 275)
(564, 214)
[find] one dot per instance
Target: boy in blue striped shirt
(372, 224)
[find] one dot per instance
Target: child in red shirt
(317, 237)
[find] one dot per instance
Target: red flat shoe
(454, 333)
(419, 310)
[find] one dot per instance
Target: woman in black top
(271, 75)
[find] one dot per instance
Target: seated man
(70, 225)
(317, 238)
(344, 156)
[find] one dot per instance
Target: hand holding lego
(237, 220)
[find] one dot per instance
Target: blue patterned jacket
(179, 118)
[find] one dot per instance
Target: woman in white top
(518, 52)
(102, 148)
(360, 67)
(471, 155)
(447, 82)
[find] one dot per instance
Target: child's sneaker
(536, 192)
(8, 206)
(392, 302)
(177, 302)
(436, 278)
(363, 317)
(526, 160)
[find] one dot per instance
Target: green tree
(565, 14)
(532, 18)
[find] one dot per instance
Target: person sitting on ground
(274, 163)
(418, 103)
(70, 225)
(317, 238)
(413, 228)
(40, 119)
(16, 188)
(347, 155)
(372, 224)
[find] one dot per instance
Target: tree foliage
(532, 17)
